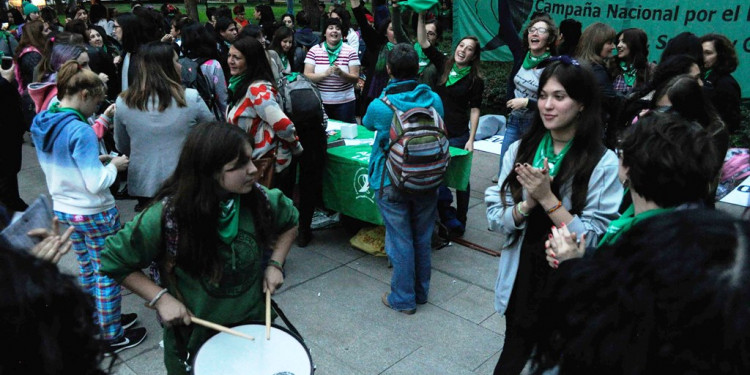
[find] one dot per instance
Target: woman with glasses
(558, 174)
(539, 40)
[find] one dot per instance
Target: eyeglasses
(540, 30)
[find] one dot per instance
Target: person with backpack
(408, 206)
(201, 69)
(217, 238)
(154, 115)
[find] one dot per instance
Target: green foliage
(495, 82)
(741, 138)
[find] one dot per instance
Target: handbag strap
(286, 320)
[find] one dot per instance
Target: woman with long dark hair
(28, 53)
(153, 118)
(558, 174)
(254, 105)
(283, 44)
(205, 237)
(198, 44)
(460, 86)
(720, 61)
(266, 19)
(631, 68)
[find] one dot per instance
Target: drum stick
(220, 328)
(268, 314)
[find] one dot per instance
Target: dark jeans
(9, 192)
(518, 123)
(312, 164)
(342, 112)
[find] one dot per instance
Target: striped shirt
(333, 89)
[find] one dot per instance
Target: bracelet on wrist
(555, 208)
(276, 264)
(518, 208)
(157, 297)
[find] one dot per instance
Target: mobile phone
(7, 62)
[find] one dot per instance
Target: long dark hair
(282, 33)
(637, 42)
(156, 78)
(194, 194)
(586, 150)
(475, 62)
(257, 65)
(726, 55)
(132, 33)
(198, 42)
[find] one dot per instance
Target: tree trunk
(191, 9)
(313, 13)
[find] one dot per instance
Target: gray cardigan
(602, 201)
(153, 140)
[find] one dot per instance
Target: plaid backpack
(417, 156)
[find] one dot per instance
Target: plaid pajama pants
(88, 243)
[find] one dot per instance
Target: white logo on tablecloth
(362, 185)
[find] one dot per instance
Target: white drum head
(225, 354)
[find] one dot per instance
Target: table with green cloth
(346, 188)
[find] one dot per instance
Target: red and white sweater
(259, 114)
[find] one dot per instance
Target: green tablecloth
(345, 182)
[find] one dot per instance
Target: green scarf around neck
(229, 219)
(546, 149)
(423, 59)
(284, 61)
(619, 226)
(707, 73)
(55, 108)
(456, 74)
(628, 73)
(234, 81)
(333, 53)
(383, 57)
(531, 61)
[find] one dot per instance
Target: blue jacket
(68, 153)
(379, 117)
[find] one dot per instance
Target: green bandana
(420, 5)
(234, 81)
(55, 108)
(628, 73)
(456, 74)
(229, 219)
(546, 149)
(423, 59)
(383, 57)
(707, 73)
(531, 61)
(284, 61)
(617, 227)
(333, 53)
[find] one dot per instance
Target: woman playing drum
(206, 232)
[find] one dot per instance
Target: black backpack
(193, 78)
(300, 100)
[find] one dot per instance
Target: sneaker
(384, 299)
(131, 338)
(127, 320)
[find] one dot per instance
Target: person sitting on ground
(216, 239)
(409, 218)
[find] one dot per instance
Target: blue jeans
(409, 221)
(290, 7)
(342, 112)
(518, 123)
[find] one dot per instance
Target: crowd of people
(605, 190)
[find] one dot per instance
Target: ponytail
(72, 78)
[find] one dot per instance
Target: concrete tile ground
(332, 295)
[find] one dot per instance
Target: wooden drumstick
(220, 328)
(268, 314)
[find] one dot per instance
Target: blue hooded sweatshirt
(379, 117)
(68, 153)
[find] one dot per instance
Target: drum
(225, 354)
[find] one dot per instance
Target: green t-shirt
(235, 299)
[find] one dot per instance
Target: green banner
(346, 187)
(492, 21)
